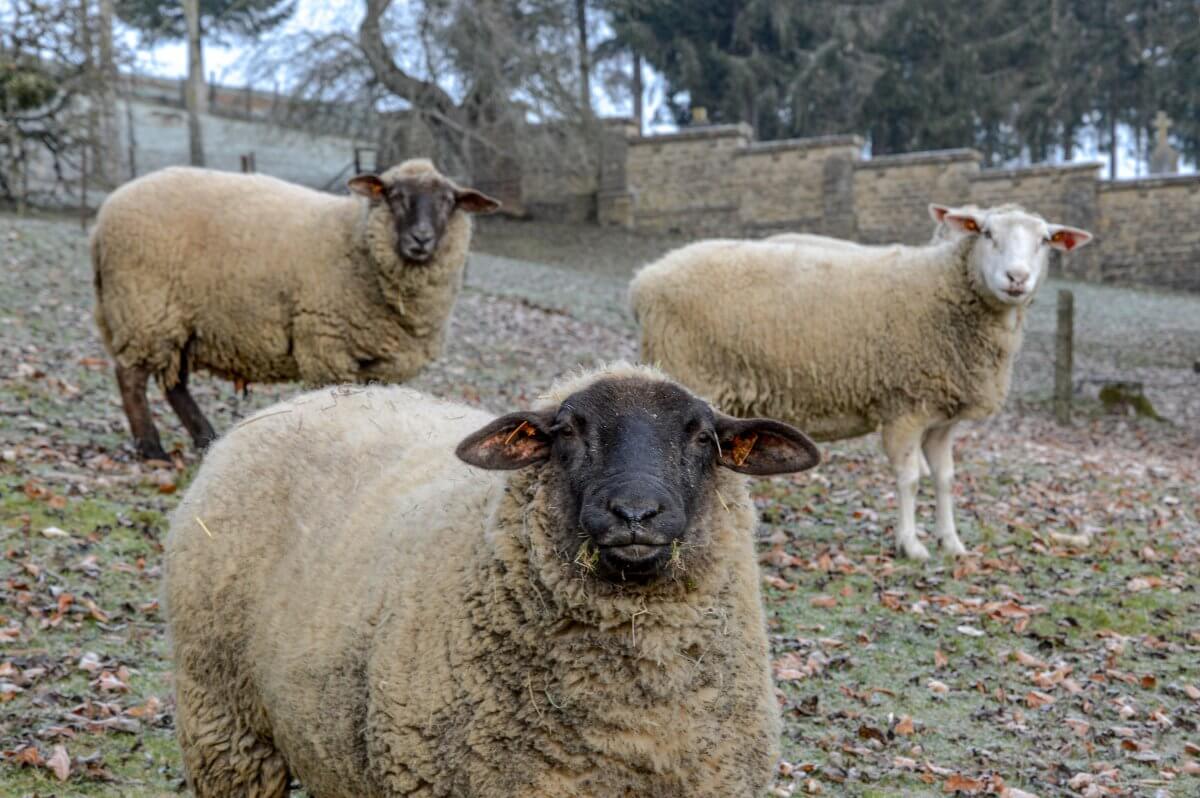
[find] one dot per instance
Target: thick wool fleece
(267, 281)
(836, 342)
(380, 619)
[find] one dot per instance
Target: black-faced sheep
(580, 615)
(259, 280)
(844, 340)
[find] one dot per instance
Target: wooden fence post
(1064, 344)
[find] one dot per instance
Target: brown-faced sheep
(844, 340)
(260, 280)
(580, 615)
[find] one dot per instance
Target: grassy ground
(1062, 659)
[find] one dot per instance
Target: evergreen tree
(164, 21)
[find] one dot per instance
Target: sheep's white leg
(902, 442)
(939, 451)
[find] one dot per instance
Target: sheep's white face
(1013, 252)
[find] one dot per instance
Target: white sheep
(260, 280)
(352, 606)
(842, 341)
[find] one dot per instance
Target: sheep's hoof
(151, 450)
(913, 549)
(953, 547)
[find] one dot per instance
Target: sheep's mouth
(634, 552)
(416, 254)
(633, 563)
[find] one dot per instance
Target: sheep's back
(188, 253)
(816, 336)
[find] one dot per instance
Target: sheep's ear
(1065, 238)
(513, 441)
(938, 212)
(369, 186)
(963, 222)
(472, 201)
(761, 446)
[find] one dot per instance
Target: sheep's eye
(568, 430)
(698, 434)
(988, 235)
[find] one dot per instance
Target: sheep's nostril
(634, 511)
(1017, 278)
(420, 240)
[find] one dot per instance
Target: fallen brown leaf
(960, 783)
(60, 762)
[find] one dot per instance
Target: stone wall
(799, 184)
(687, 180)
(718, 181)
(892, 194)
(1149, 232)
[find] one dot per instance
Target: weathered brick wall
(685, 181)
(892, 193)
(800, 184)
(1149, 232)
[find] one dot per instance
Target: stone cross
(1165, 158)
(1162, 124)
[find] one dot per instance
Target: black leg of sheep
(189, 412)
(132, 382)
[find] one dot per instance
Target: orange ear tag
(742, 448)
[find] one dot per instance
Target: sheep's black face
(636, 458)
(421, 208)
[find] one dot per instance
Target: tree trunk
(108, 150)
(130, 134)
(1112, 140)
(447, 121)
(91, 85)
(194, 94)
(638, 110)
(16, 153)
(585, 60)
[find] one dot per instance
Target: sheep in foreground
(259, 280)
(844, 341)
(580, 615)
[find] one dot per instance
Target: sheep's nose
(1017, 276)
(634, 510)
(421, 237)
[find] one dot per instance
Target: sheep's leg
(925, 469)
(222, 756)
(939, 451)
(132, 382)
(189, 412)
(902, 442)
